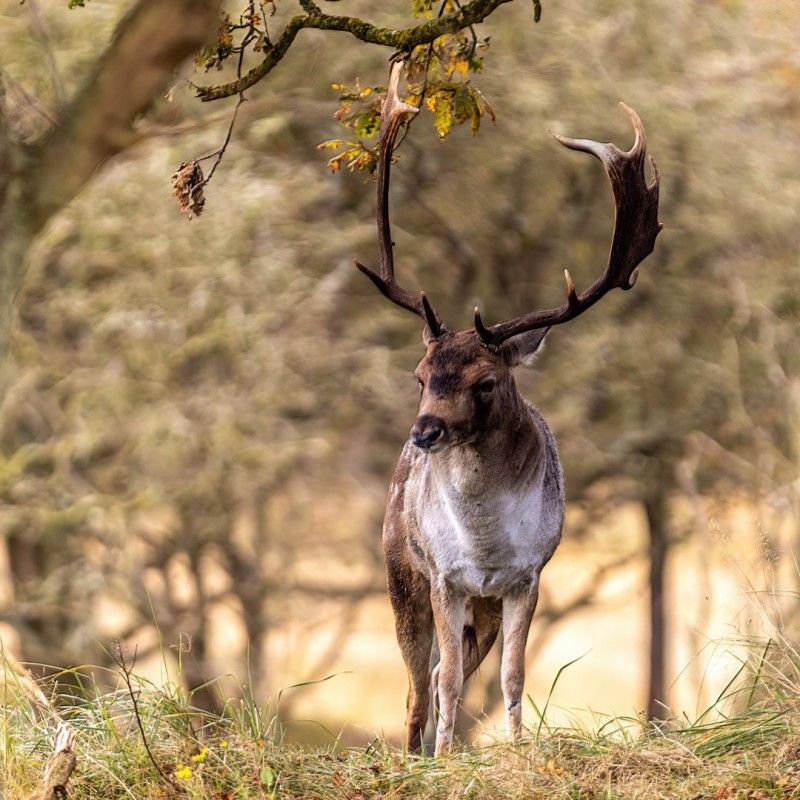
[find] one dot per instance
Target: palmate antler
(393, 114)
(636, 227)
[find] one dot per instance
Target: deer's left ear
(523, 349)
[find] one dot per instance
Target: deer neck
(506, 456)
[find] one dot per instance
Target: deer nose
(428, 431)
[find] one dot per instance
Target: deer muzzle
(429, 432)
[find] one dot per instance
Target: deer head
(467, 389)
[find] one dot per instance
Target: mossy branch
(403, 41)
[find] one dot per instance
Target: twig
(126, 671)
(428, 57)
(424, 87)
(472, 32)
(188, 180)
(219, 153)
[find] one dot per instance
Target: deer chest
(484, 547)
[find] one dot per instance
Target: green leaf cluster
(458, 103)
(360, 109)
(438, 80)
(221, 49)
(233, 38)
(354, 155)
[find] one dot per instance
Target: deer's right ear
(524, 348)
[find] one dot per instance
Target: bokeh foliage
(200, 417)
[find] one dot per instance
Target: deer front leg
(448, 615)
(409, 593)
(415, 637)
(517, 615)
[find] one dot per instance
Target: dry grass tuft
(750, 755)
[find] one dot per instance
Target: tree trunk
(37, 180)
(655, 504)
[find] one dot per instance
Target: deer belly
(478, 581)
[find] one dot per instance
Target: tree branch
(149, 43)
(42, 37)
(403, 41)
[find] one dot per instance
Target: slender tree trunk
(656, 510)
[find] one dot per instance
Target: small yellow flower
(201, 756)
(223, 744)
(183, 772)
(550, 769)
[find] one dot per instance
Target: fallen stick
(59, 766)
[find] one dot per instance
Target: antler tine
(393, 114)
(636, 226)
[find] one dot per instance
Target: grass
(144, 741)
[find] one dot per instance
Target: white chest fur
(475, 536)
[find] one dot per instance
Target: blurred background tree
(73, 495)
(200, 418)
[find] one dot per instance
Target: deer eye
(487, 386)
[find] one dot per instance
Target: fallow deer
(476, 503)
